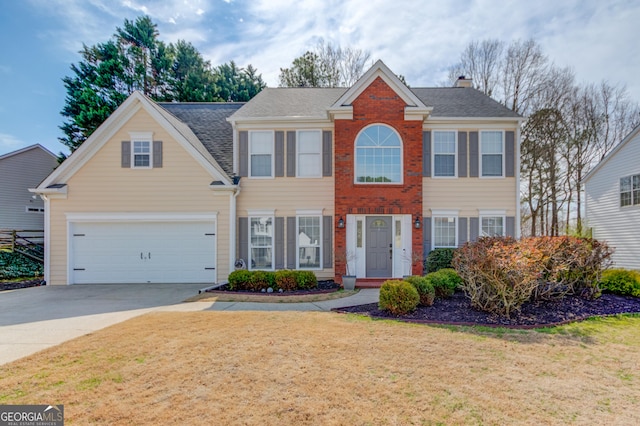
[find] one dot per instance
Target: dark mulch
(327, 286)
(21, 284)
(457, 310)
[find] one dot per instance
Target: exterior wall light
(341, 222)
(417, 223)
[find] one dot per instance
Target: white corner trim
(140, 217)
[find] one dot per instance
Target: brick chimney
(462, 81)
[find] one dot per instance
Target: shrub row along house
(375, 175)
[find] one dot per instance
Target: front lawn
(321, 368)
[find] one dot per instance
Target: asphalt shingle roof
(462, 102)
(208, 121)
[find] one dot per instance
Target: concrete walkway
(34, 319)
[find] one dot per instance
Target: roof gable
(610, 155)
(26, 149)
(136, 101)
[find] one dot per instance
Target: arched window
(378, 155)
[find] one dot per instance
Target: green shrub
(445, 282)
(15, 265)
(261, 280)
(425, 289)
(439, 258)
(285, 280)
(239, 280)
(621, 281)
(306, 280)
(398, 297)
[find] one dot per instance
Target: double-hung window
(444, 154)
(378, 155)
(309, 153)
(445, 231)
(630, 190)
(492, 226)
(141, 154)
(261, 154)
(309, 242)
(261, 242)
(491, 153)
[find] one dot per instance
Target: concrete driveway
(36, 318)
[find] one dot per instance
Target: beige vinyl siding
(286, 196)
(468, 195)
(102, 185)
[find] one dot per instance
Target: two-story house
(374, 175)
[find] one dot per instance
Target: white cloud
(10, 143)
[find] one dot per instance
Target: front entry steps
(370, 282)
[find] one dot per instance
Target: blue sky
(40, 39)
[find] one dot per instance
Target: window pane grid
(378, 156)
(261, 152)
(444, 232)
(493, 226)
(261, 242)
(309, 240)
(491, 148)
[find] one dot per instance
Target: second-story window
(491, 153)
(309, 162)
(444, 150)
(261, 154)
(378, 155)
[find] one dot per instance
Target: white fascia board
(613, 152)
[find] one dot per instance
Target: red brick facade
(377, 104)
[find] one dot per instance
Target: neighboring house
(295, 178)
(19, 171)
(612, 191)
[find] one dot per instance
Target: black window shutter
(279, 154)
(243, 239)
(462, 154)
(326, 152)
(510, 154)
(291, 154)
(426, 154)
(279, 234)
(426, 236)
(474, 230)
(292, 232)
(462, 231)
(511, 226)
(125, 160)
(327, 241)
(157, 154)
(473, 155)
(244, 154)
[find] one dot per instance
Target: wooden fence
(25, 241)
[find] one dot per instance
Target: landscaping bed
(326, 286)
(457, 310)
(13, 285)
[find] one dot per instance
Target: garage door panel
(141, 252)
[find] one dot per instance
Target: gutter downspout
(232, 225)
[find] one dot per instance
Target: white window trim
(319, 243)
(620, 192)
(319, 175)
(504, 149)
(273, 154)
(273, 242)
(444, 214)
(504, 224)
(355, 157)
(433, 154)
(133, 155)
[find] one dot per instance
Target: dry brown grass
(227, 296)
(281, 368)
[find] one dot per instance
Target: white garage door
(142, 252)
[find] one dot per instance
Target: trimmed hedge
(439, 258)
(424, 287)
(285, 280)
(621, 281)
(398, 297)
(445, 282)
(15, 265)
